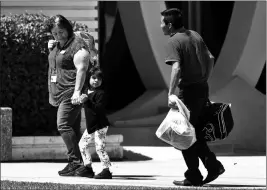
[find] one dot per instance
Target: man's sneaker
(212, 175)
(105, 174)
(84, 171)
(69, 170)
(186, 182)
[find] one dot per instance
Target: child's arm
(84, 97)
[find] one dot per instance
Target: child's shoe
(105, 174)
(84, 172)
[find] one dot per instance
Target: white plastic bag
(176, 129)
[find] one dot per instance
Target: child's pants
(100, 142)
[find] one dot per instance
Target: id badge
(62, 51)
(53, 78)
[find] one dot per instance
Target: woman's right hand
(51, 44)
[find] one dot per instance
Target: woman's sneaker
(64, 170)
(84, 172)
(69, 170)
(105, 174)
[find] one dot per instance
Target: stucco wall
(236, 73)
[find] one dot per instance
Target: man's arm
(175, 75)
(173, 58)
(81, 62)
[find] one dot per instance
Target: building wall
(82, 11)
(237, 71)
(238, 67)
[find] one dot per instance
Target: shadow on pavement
(133, 156)
(134, 177)
(243, 153)
(127, 156)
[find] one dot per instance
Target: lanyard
(58, 49)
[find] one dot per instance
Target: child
(97, 126)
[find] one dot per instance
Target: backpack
(218, 121)
(90, 42)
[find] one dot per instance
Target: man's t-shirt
(189, 50)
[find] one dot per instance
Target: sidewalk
(142, 168)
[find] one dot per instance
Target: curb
(15, 185)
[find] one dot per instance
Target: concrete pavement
(141, 168)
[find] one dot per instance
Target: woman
(68, 64)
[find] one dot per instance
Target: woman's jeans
(195, 98)
(69, 125)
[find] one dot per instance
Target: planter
(6, 133)
(53, 148)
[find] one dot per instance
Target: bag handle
(182, 108)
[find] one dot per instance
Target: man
(192, 64)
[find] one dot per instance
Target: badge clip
(53, 78)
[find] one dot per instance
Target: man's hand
(172, 102)
(75, 99)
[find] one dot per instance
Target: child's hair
(97, 72)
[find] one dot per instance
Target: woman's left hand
(75, 99)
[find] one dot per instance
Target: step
(53, 148)
(144, 135)
(222, 148)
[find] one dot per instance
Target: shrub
(23, 71)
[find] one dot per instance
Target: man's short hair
(173, 16)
